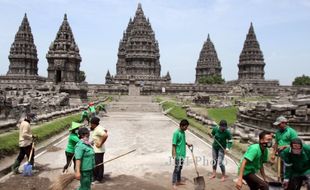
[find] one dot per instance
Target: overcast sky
(282, 28)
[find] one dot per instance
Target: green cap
(75, 125)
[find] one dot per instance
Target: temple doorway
(58, 76)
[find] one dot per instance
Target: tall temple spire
(138, 52)
(63, 56)
(208, 63)
(251, 61)
(23, 53)
(139, 14)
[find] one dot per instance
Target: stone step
(133, 107)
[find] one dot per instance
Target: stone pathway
(149, 167)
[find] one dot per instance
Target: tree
(82, 76)
(302, 81)
(213, 79)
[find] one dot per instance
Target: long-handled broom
(28, 166)
(65, 179)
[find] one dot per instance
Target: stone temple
(138, 55)
(251, 62)
(23, 68)
(63, 56)
(64, 63)
(208, 63)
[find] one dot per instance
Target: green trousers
(86, 179)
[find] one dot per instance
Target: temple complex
(138, 55)
(208, 63)
(23, 68)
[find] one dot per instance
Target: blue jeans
(218, 158)
(176, 177)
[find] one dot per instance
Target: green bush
(214, 79)
(302, 81)
(9, 142)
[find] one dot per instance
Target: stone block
(301, 102)
(301, 112)
(283, 107)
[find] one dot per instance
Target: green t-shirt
(296, 165)
(222, 137)
(84, 116)
(73, 139)
(86, 154)
(92, 109)
(179, 141)
(255, 159)
(284, 138)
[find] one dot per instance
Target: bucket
(275, 186)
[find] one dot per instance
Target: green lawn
(179, 113)
(229, 114)
(9, 142)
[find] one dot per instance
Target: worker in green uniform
(297, 165)
(84, 116)
(72, 141)
(85, 160)
(92, 109)
(252, 161)
(179, 152)
(221, 144)
(283, 137)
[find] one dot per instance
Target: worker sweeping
(72, 141)
(84, 117)
(85, 160)
(252, 161)
(26, 139)
(221, 144)
(297, 165)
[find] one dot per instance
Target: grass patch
(229, 114)
(179, 113)
(9, 142)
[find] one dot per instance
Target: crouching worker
(85, 160)
(84, 117)
(297, 165)
(252, 161)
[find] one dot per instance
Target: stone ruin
(15, 103)
(254, 118)
(243, 90)
(203, 99)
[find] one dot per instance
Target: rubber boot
(15, 167)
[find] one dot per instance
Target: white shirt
(96, 136)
